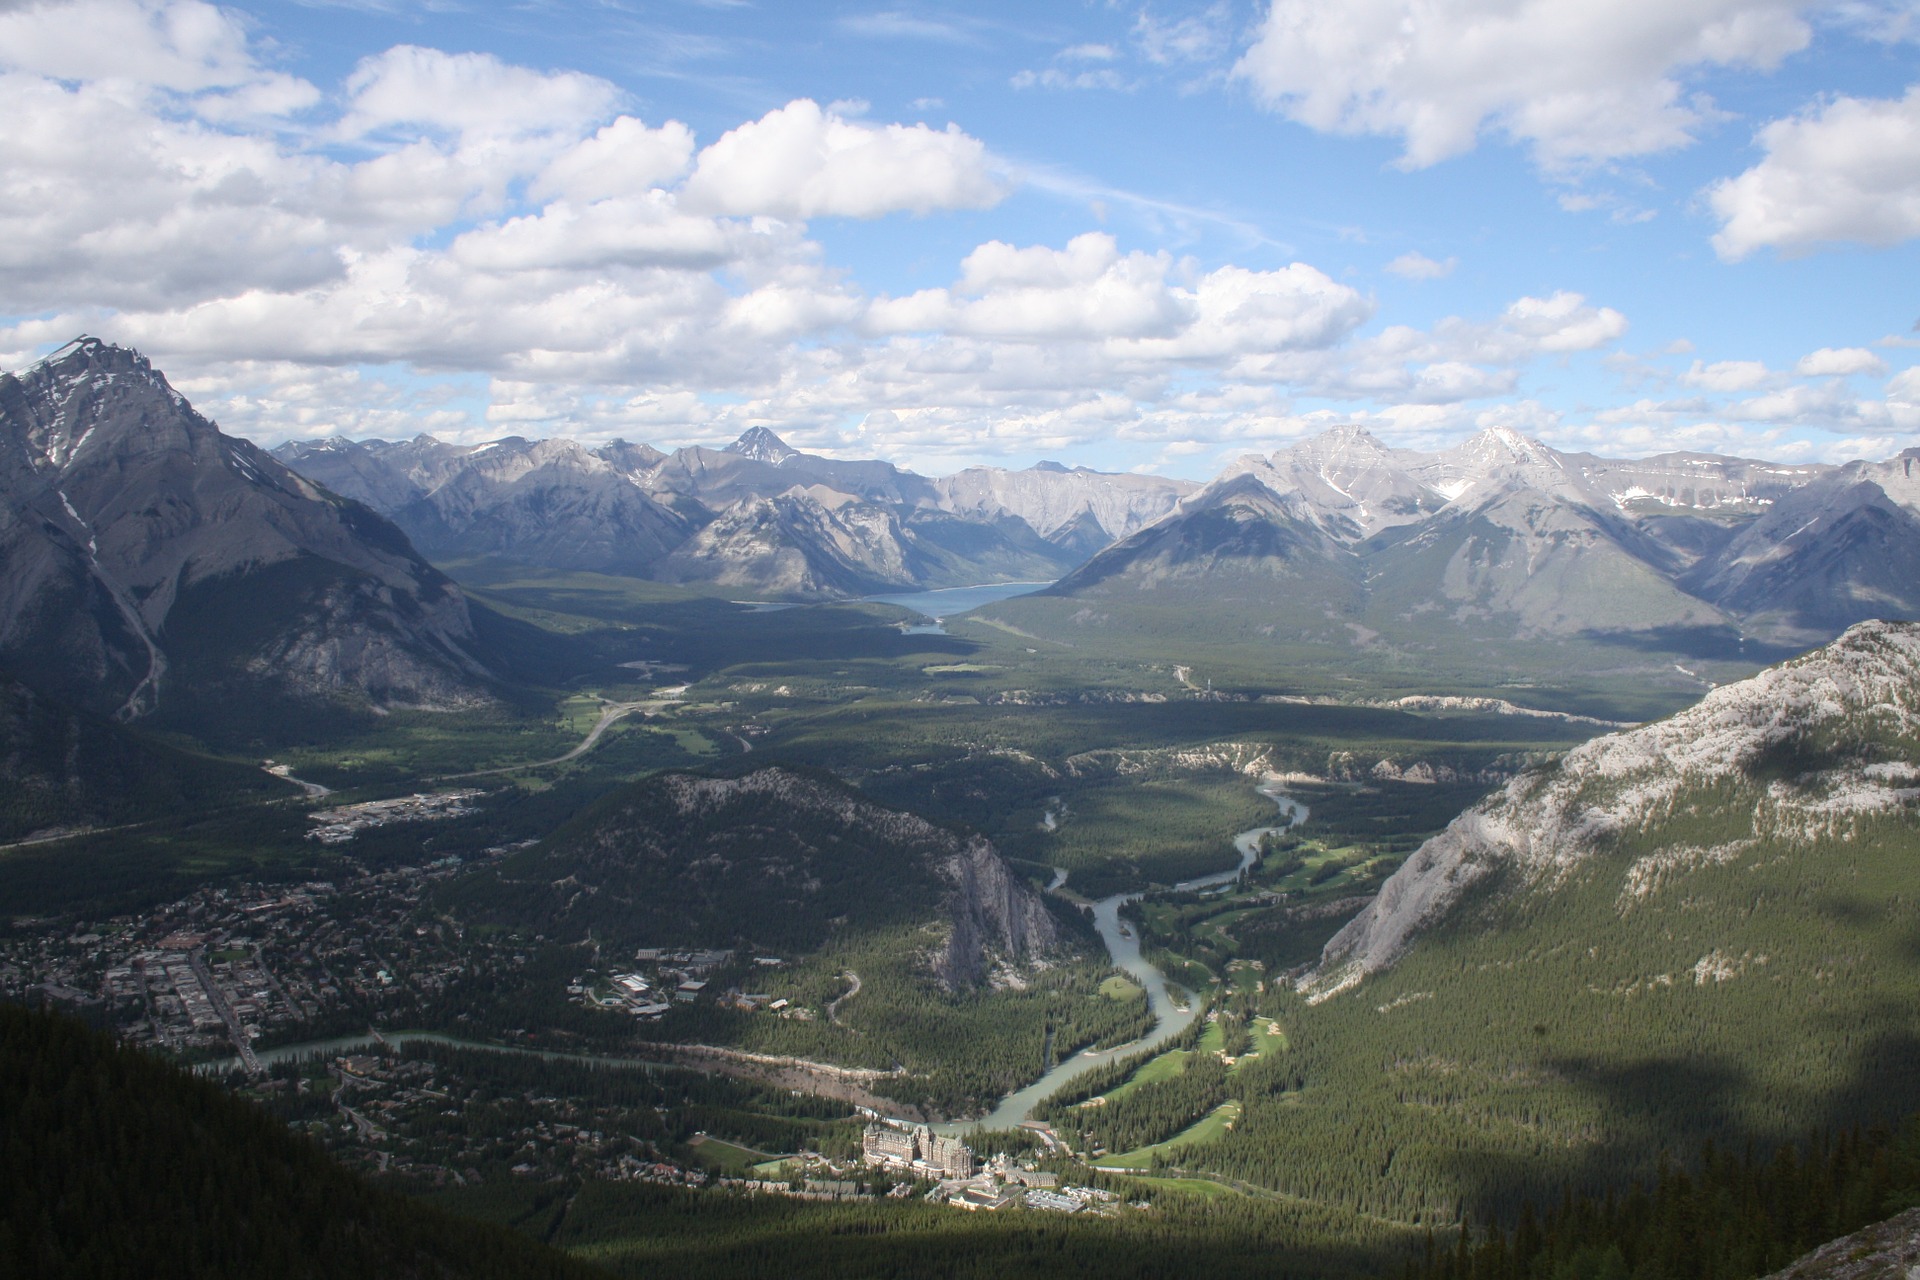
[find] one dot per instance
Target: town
(231, 970)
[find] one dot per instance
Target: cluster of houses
(677, 977)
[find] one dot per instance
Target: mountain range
(1339, 539)
(144, 547)
(1345, 543)
(756, 517)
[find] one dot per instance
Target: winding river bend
(1123, 947)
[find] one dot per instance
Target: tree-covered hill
(65, 768)
(772, 859)
(1704, 928)
(114, 1164)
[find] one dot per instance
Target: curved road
(833, 1006)
(614, 712)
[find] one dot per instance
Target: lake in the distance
(952, 601)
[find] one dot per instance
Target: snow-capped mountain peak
(762, 445)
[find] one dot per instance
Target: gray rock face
(992, 912)
(1887, 1250)
(547, 502)
(804, 542)
(1841, 548)
(123, 512)
(1860, 695)
(1051, 499)
(1237, 526)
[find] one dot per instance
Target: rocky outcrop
(1797, 753)
(990, 912)
(1887, 1250)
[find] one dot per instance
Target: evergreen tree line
(113, 1163)
(1730, 1218)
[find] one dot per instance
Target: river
(367, 1039)
(1123, 947)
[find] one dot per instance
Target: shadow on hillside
(1672, 1107)
(1714, 644)
(707, 636)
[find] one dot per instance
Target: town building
(916, 1150)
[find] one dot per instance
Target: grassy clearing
(1269, 1035)
(1204, 1187)
(729, 1157)
(1212, 1040)
(1164, 1067)
(1209, 1128)
(1119, 988)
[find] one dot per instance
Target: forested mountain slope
(1703, 928)
(776, 860)
(114, 1164)
(63, 768)
(1801, 757)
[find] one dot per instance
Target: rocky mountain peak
(1342, 443)
(127, 520)
(58, 405)
(762, 445)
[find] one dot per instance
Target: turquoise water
(952, 601)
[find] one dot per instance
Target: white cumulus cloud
(802, 162)
(1727, 375)
(1414, 265)
(1575, 80)
(1843, 171)
(474, 95)
(183, 47)
(1839, 362)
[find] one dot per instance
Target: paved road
(833, 1006)
(227, 1015)
(613, 712)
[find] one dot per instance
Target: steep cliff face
(140, 546)
(1794, 756)
(991, 912)
(776, 859)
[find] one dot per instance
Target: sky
(1149, 237)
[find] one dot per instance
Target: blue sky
(1130, 236)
